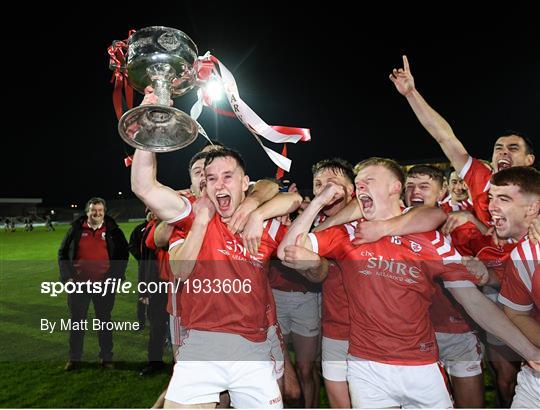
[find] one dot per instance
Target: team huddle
(389, 276)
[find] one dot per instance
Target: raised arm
(282, 204)
(306, 262)
(432, 121)
(162, 200)
(351, 212)
(263, 191)
(418, 219)
(302, 224)
(166, 204)
(491, 318)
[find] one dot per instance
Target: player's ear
(443, 190)
(245, 183)
(529, 160)
(396, 188)
(534, 208)
(350, 190)
(442, 193)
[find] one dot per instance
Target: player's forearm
(143, 172)
(351, 212)
(162, 200)
(527, 324)
(493, 280)
(316, 274)
(480, 225)
(484, 312)
(162, 234)
(301, 225)
(419, 219)
(183, 258)
(282, 204)
(263, 191)
(439, 129)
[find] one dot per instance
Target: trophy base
(157, 128)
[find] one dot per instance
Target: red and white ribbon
(254, 124)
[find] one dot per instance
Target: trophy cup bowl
(163, 58)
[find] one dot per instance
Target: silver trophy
(163, 58)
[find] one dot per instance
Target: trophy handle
(117, 60)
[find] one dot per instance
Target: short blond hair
(388, 163)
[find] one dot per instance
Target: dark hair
(213, 144)
(223, 153)
(336, 165)
(93, 201)
(388, 163)
(526, 178)
(527, 141)
(198, 156)
(434, 173)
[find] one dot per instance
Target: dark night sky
(326, 69)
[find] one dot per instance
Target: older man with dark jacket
(93, 250)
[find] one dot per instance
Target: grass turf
(32, 361)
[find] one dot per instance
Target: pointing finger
(406, 64)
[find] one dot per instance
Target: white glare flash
(214, 89)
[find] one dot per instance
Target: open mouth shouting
(366, 202)
(417, 200)
(503, 164)
(224, 202)
(499, 221)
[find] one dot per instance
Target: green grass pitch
(32, 361)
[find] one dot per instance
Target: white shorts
(276, 350)
(334, 359)
(460, 353)
(200, 378)
(379, 385)
(298, 312)
(493, 295)
(528, 389)
(175, 329)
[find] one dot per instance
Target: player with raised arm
(511, 149)
(389, 284)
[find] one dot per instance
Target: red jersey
(228, 290)
(162, 255)
(471, 242)
(289, 280)
(390, 284)
(174, 306)
(520, 289)
(335, 320)
(477, 176)
(446, 314)
(185, 219)
(449, 206)
(92, 257)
